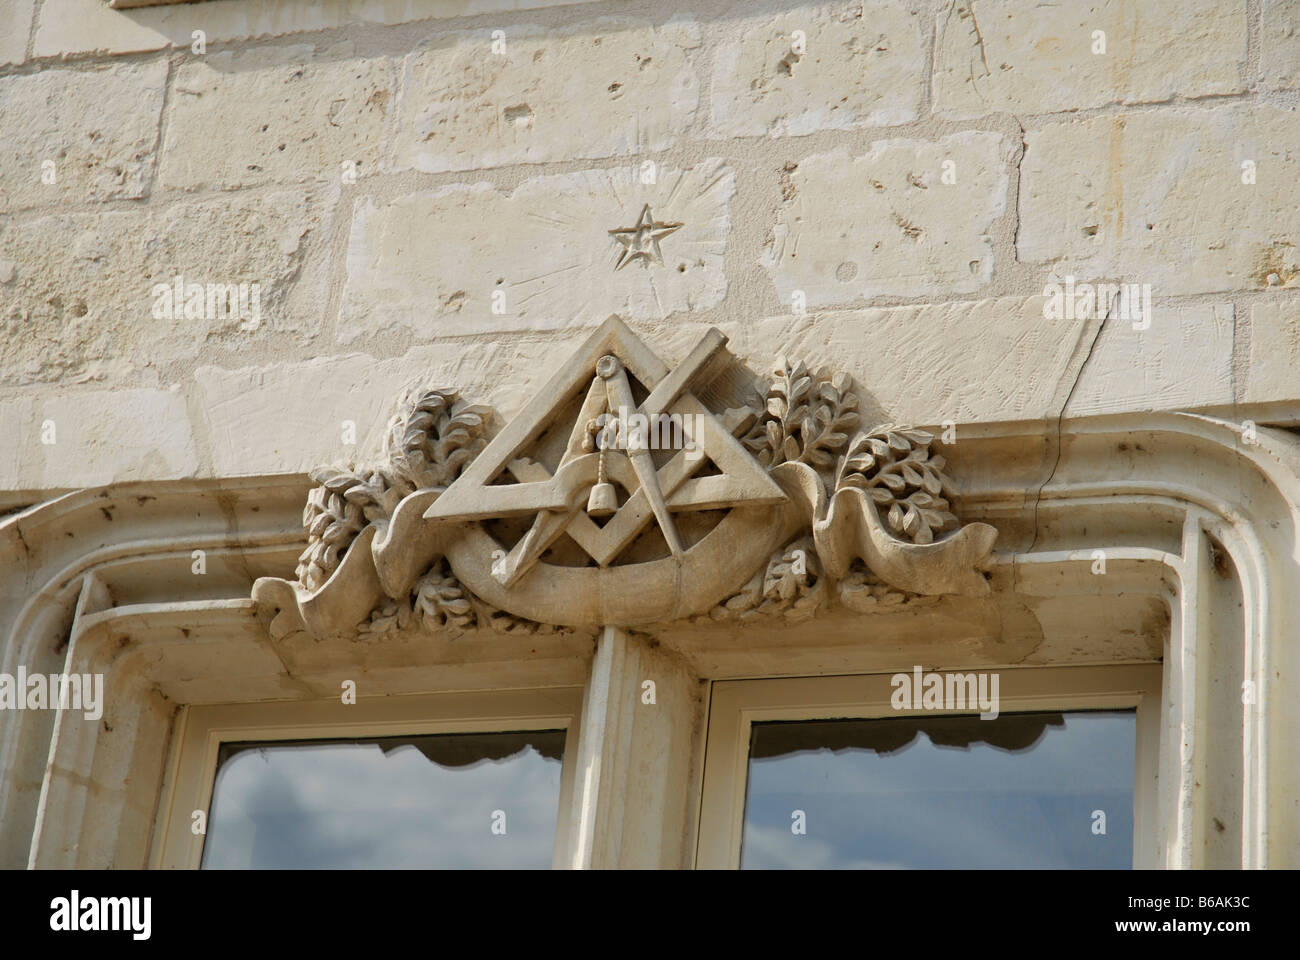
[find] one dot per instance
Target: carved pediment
(617, 496)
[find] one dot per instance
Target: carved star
(643, 239)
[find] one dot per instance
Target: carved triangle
(653, 492)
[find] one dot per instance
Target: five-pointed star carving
(643, 239)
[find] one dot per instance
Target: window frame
(200, 731)
(735, 705)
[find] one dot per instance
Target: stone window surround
(1184, 510)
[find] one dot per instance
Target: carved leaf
(911, 521)
(428, 445)
(774, 435)
(904, 480)
(893, 481)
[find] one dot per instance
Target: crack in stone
(27, 551)
(1060, 417)
(979, 39)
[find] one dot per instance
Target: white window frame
(735, 705)
(201, 730)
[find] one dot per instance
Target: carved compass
(618, 497)
(657, 487)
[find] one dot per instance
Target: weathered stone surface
(859, 65)
(885, 223)
(436, 262)
(970, 361)
(1002, 55)
(313, 400)
(1183, 360)
(1274, 371)
(86, 26)
(57, 128)
(289, 115)
(1279, 55)
(15, 26)
(80, 304)
(1158, 198)
(110, 436)
(610, 88)
(15, 418)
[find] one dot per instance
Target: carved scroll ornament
(618, 497)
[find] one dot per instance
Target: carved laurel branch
(809, 425)
(440, 602)
(807, 419)
(428, 444)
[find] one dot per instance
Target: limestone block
(1159, 198)
(819, 68)
(1000, 358)
(610, 88)
(81, 304)
(1274, 372)
(109, 436)
(91, 26)
(1004, 55)
(64, 143)
(886, 222)
(470, 258)
(1182, 360)
(968, 361)
(15, 26)
(1279, 55)
(291, 417)
(258, 116)
(15, 421)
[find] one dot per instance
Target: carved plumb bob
(787, 508)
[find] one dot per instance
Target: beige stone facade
(370, 258)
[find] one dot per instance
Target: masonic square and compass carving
(789, 509)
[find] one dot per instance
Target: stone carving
(791, 586)
(806, 421)
(428, 444)
(641, 242)
(577, 514)
(438, 601)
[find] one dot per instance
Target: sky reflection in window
(1018, 791)
(392, 802)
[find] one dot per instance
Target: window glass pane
(929, 792)
(446, 801)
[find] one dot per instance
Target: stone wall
(425, 191)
